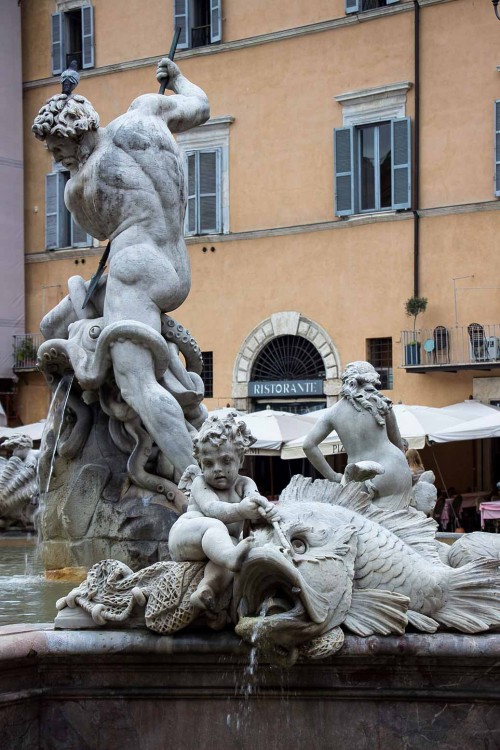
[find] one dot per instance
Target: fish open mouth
(276, 609)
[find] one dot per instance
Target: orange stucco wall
(352, 279)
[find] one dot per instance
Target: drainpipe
(416, 159)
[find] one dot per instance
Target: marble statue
(331, 561)
(365, 423)
(199, 544)
(18, 482)
(126, 185)
(220, 500)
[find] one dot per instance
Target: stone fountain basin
(106, 689)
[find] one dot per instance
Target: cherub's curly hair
(219, 430)
(70, 117)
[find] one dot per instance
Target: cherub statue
(220, 500)
(364, 421)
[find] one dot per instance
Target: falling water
(51, 435)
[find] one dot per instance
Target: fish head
(296, 581)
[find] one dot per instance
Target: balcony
(440, 349)
(25, 351)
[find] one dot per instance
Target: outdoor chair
(441, 345)
(478, 348)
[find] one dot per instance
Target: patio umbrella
(274, 428)
(34, 431)
(487, 426)
(409, 426)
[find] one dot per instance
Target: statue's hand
(249, 509)
(267, 510)
(167, 71)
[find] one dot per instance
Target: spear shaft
(173, 47)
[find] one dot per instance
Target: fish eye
(298, 546)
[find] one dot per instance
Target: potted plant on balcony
(413, 307)
(25, 353)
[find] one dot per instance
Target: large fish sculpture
(349, 563)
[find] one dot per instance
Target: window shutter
(352, 6)
(390, 2)
(181, 18)
(497, 147)
(57, 43)
(87, 36)
(343, 151)
(209, 192)
(401, 167)
(54, 210)
(215, 21)
(191, 213)
(79, 237)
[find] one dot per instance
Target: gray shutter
(191, 212)
(79, 237)
(343, 154)
(497, 147)
(209, 191)
(54, 210)
(352, 6)
(87, 36)
(181, 18)
(215, 21)
(401, 166)
(390, 2)
(57, 43)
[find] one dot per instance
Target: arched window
(288, 358)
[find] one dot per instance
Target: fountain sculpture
(351, 552)
(18, 483)
(133, 407)
(143, 491)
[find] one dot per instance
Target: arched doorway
(288, 374)
(288, 362)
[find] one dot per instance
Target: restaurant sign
(279, 388)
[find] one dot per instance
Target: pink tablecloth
(489, 511)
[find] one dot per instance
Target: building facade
(12, 302)
(351, 162)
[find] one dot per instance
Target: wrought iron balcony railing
(25, 350)
(474, 346)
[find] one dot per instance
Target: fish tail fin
(422, 622)
(377, 611)
(472, 602)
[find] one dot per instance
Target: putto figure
(220, 501)
(127, 186)
(364, 421)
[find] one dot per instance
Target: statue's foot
(203, 598)
(234, 560)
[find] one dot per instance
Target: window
(288, 358)
(61, 230)
(203, 201)
(379, 354)
(206, 157)
(359, 6)
(372, 167)
(199, 21)
(207, 373)
(73, 38)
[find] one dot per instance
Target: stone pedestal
(66, 690)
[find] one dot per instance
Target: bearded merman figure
(365, 423)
